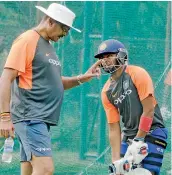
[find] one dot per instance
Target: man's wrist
(79, 79)
(5, 117)
(116, 158)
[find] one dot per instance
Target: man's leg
(42, 165)
(26, 168)
(35, 140)
(40, 147)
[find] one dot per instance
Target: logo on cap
(122, 50)
(102, 46)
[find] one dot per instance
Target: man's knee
(49, 170)
(44, 170)
(42, 165)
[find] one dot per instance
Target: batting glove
(121, 166)
(138, 149)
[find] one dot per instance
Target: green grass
(68, 163)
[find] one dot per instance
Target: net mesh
(80, 142)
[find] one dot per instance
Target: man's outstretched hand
(93, 71)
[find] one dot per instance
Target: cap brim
(48, 14)
(75, 29)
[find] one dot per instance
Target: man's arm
(7, 78)
(70, 82)
(113, 119)
(115, 140)
(6, 126)
(145, 89)
(143, 82)
(139, 149)
(148, 111)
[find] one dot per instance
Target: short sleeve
(112, 113)
(17, 58)
(143, 83)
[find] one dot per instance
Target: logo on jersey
(125, 84)
(54, 62)
(114, 95)
(47, 54)
(122, 97)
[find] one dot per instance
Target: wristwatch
(78, 79)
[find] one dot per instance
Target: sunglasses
(64, 27)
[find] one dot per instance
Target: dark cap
(109, 46)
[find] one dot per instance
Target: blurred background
(80, 141)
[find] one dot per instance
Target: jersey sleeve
(143, 83)
(17, 58)
(112, 113)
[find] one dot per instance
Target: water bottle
(8, 150)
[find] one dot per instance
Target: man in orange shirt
(128, 96)
(33, 73)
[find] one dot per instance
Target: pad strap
(156, 141)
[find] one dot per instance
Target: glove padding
(138, 149)
(121, 166)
